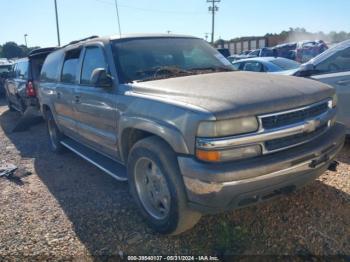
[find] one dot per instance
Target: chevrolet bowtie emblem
(311, 126)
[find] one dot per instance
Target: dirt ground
(61, 207)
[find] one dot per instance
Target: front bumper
(213, 188)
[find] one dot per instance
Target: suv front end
(244, 161)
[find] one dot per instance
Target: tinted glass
(93, 59)
(36, 66)
(140, 59)
(22, 70)
(339, 62)
(51, 67)
(70, 67)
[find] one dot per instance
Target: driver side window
(339, 62)
(93, 59)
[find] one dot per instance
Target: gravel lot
(61, 207)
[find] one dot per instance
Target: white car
(333, 67)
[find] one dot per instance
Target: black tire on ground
(179, 217)
(55, 135)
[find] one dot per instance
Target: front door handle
(77, 99)
(343, 82)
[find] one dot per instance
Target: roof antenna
(116, 7)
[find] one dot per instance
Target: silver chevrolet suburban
(169, 114)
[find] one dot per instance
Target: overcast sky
(81, 18)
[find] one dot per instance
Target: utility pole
(214, 8)
(118, 19)
(57, 25)
(25, 39)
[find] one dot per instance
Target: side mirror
(307, 70)
(100, 78)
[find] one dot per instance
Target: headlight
(227, 127)
(229, 154)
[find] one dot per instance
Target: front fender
(164, 130)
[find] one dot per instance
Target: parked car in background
(224, 51)
(4, 73)
(20, 87)
(285, 50)
(262, 52)
(196, 136)
(267, 65)
(333, 67)
(307, 50)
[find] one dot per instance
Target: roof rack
(81, 40)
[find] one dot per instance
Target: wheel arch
(135, 129)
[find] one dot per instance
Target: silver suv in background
(21, 82)
(191, 135)
(333, 67)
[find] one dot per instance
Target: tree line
(12, 50)
(300, 34)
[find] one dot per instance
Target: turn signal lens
(209, 156)
(230, 154)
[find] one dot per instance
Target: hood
(236, 94)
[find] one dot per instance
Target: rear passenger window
(93, 59)
(70, 66)
(51, 67)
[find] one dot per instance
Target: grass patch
(231, 239)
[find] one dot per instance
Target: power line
(214, 8)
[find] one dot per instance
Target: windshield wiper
(161, 72)
(211, 68)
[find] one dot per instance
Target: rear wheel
(156, 184)
(55, 135)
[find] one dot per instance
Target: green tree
(12, 50)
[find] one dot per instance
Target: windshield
(285, 64)
(146, 59)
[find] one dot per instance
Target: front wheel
(55, 135)
(156, 184)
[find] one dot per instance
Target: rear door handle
(77, 99)
(343, 82)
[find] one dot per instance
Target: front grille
(281, 120)
(294, 140)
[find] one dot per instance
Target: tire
(55, 135)
(149, 158)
